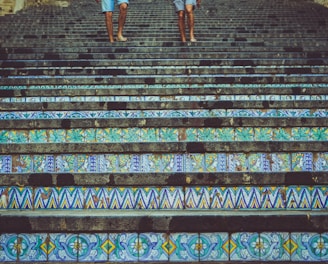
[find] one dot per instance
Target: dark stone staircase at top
(225, 136)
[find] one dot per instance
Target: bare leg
(190, 19)
(181, 24)
(121, 22)
(109, 25)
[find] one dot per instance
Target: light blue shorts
(109, 5)
(181, 4)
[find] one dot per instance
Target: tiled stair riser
(178, 113)
(172, 247)
(177, 198)
(135, 134)
(165, 162)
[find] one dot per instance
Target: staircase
(155, 151)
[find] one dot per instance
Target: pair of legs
(108, 9)
(186, 8)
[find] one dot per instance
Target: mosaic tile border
(166, 163)
(162, 198)
(163, 134)
(171, 247)
(190, 113)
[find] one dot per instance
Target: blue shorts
(109, 5)
(181, 4)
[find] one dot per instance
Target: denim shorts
(181, 4)
(109, 5)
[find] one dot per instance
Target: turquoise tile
(306, 247)
(274, 246)
(86, 163)
(185, 247)
(92, 247)
(207, 134)
(167, 134)
(66, 163)
(245, 246)
(225, 134)
(149, 134)
(263, 134)
(319, 133)
(213, 247)
(130, 134)
(8, 247)
(323, 244)
(152, 247)
(124, 247)
(244, 134)
(33, 247)
(63, 247)
(281, 134)
(321, 161)
(301, 133)
(57, 135)
(38, 136)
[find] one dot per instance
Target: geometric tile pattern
(135, 134)
(158, 162)
(172, 247)
(168, 197)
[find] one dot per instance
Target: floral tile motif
(307, 246)
(319, 197)
(43, 163)
(63, 247)
(173, 163)
(281, 134)
(38, 136)
(237, 162)
(149, 134)
(302, 161)
(185, 247)
(323, 244)
(87, 163)
(128, 163)
(123, 247)
(70, 198)
(195, 162)
(169, 134)
(96, 197)
(245, 246)
(263, 134)
(197, 198)
(8, 247)
(20, 198)
(206, 134)
(153, 247)
(319, 133)
(244, 134)
(259, 162)
(45, 198)
(273, 197)
(22, 164)
(151, 163)
(32, 247)
(321, 161)
(65, 163)
(222, 198)
(280, 162)
(226, 134)
(92, 247)
(213, 247)
(57, 135)
(107, 163)
(215, 162)
(121, 198)
(298, 197)
(171, 198)
(274, 246)
(248, 197)
(147, 198)
(18, 136)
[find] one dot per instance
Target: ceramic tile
(281, 134)
(206, 134)
(22, 164)
(74, 135)
(225, 134)
(131, 134)
(195, 162)
(43, 163)
(63, 247)
(273, 197)
(96, 197)
(306, 247)
(298, 197)
(301, 133)
(323, 245)
(213, 247)
(152, 247)
(92, 247)
(57, 135)
(167, 134)
(259, 162)
(244, 134)
(319, 133)
(4, 136)
(215, 162)
(223, 198)
(66, 163)
(38, 136)
(4, 197)
(274, 246)
(280, 162)
(9, 247)
(18, 136)
(20, 198)
(45, 198)
(103, 135)
(87, 163)
(121, 198)
(263, 134)
(188, 134)
(5, 164)
(149, 134)
(128, 163)
(151, 163)
(197, 198)
(185, 247)
(123, 247)
(33, 247)
(70, 198)
(321, 161)
(319, 197)
(171, 198)
(248, 197)
(245, 246)
(237, 162)
(302, 161)
(173, 163)
(147, 198)
(107, 163)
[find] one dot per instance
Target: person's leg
(181, 25)
(109, 25)
(121, 21)
(191, 23)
